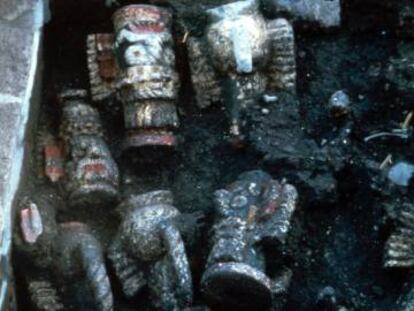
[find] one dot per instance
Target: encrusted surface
(252, 210)
(137, 64)
(241, 56)
(92, 174)
(60, 257)
(148, 250)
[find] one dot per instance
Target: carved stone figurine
(138, 64)
(148, 251)
(92, 176)
(399, 252)
(63, 263)
(250, 212)
(241, 56)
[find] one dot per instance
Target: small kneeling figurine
(63, 264)
(148, 251)
(250, 212)
(241, 57)
(137, 63)
(92, 176)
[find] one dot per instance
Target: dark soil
(339, 229)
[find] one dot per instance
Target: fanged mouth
(98, 168)
(146, 26)
(94, 172)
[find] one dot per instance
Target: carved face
(255, 197)
(237, 44)
(93, 174)
(143, 36)
(136, 47)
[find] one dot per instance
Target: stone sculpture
(92, 175)
(241, 57)
(148, 251)
(61, 260)
(137, 63)
(399, 252)
(251, 211)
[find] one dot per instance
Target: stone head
(143, 36)
(92, 174)
(236, 37)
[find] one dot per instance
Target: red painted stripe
(53, 151)
(138, 28)
(94, 168)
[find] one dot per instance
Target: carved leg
(170, 278)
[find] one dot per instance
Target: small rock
(269, 98)
(339, 103)
(127, 180)
(265, 111)
(401, 174)
(327, 291)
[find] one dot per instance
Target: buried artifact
(241, 57)
(399, 252)
(60, 261)
(137, 64)
(92, 176)
(250, 212)
(148, 251)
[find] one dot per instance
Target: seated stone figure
(250, 212)
(62, 264)
(92, 176)
(148, 251)
(137, 63)
(240, 57)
